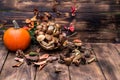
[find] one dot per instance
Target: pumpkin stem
(15, 24)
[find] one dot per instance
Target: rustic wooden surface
(86, 72)
(94, 23)
(24, 72)
(48, 73)
(108, 59)
(106, 68)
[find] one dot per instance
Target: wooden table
(107, 67)
(108, 54)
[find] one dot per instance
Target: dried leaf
(20, 54)
(51, 59)
(38, 50)
(91, 60)
(19, 59)
(40, 63)
(18, 65)
(42, 66)
(33, 54)
(32, 58)
(44, 57)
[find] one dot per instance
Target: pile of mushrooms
(49, 35)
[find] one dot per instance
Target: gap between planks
(98, 61)
(86, 72)
(107, 57)
(3, 55)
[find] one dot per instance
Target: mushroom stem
(16, 26)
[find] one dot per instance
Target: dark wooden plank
(93, 19)
(87, 36)
(114, 54)
(97, 35)
(86, 72)
(24, 72)
(107, 61)
(27, 14)
(46, 6)
(70, 1)
(83, 8)
(3, 55)
(48, 72)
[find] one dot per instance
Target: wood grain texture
(64, 6)
(117, 46)
(86, 72)
(115, 55)
(106, 59)
(48, 72)
(24, 72)
(3, 55)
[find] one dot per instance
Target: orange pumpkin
(16, 38)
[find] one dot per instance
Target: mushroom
(56, 33)
(40, 33)
(48, 37)
(56, 39)
(51, 23)
(40, 38)
(39, 27)
(77, 42)
(44, 28)
(58, 26)
(50, 29)
(36, 32)
(27, 21)
(62, 38)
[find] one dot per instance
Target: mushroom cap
(40, 33)
(56, 39)
(51, 23)
(77, 41)
(56, 33)
(44, 28)
(50, 29)
(39, 27)
(65, 43)
(78, 44)
(58, 26)
(48, 37)
(40, 38)
(27, 20)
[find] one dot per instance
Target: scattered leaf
(33, 54)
